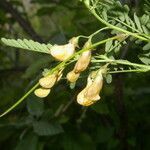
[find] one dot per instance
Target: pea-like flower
(41, 92)
(84, 59)
(90, 94)
(48, 81)
(74, 41)
(83, 62)
(72, 76)
(62, 52)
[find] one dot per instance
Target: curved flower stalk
(90, 94)
(47, 83)
(81, 64)
(63, 52)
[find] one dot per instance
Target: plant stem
(20, 100)
(126, 71)
(115, 27)
(59, 66)
(123, 62)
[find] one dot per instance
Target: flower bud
(84, 59)
(74, 41)
(62, 52)
(83, 62)
(41, 92)
(72, 76)
(48, 81)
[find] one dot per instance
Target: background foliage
(119, 121)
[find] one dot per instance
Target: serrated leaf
(132, 23)
(108, 46)
(144, 19)
(104, 14)
(127, 18)
(146, 31)
(35, 106)
(137, 21)
(108, 78)
(29, 142)
(28, 45)
(145, 60)
(147, 46)
(44, 128)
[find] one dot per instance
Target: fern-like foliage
(117, 14)
(28, 45)
(147, 7)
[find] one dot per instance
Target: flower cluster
(47, 83)
(90, 94)
(63, 52)
(81, 64)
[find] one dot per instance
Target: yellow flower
(41, 92)
(48, 81)
(62, 52)
(81, 99)
(84, 59)
(74, 41)
(83, 62)
(72, 76)
(90, 94)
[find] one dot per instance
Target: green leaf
(104, 134)
(108, 78)
(78, 141)
(44, 128)
(113, 144)
(137, 21)
(145, 59)
(147, 46)
(100, 108)
(29, 142)
(37, 65)
(146, 31)
(108, 46)
(104, 14)
(144, 19)
(28, 45)
(35, 105)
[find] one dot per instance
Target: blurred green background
(119, 121)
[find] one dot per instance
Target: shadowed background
(119, 121)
